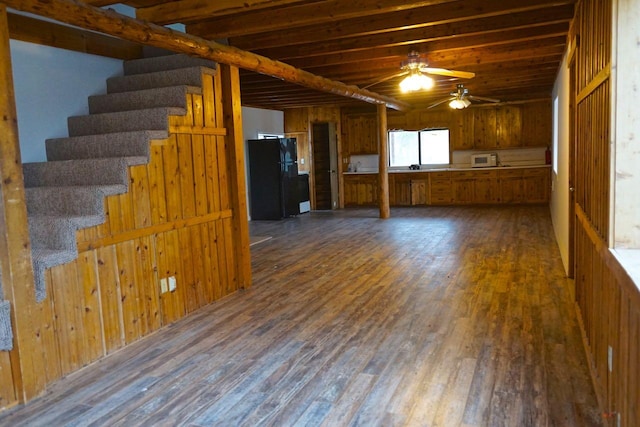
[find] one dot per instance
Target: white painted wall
(560, 179)
(50, 85)
(257, 120)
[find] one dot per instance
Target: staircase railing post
(27, 360)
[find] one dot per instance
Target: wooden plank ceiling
(513, 46)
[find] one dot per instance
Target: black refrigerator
(273, 178)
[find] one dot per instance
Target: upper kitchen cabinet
(359, 133)
(509, 126)
(484, 128)
(536, 124)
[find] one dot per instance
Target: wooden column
(27, 361)
(232, 110)
(383, 173)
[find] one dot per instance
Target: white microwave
(484, 160)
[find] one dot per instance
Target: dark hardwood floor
(439, 316)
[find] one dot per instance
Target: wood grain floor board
(439, 316)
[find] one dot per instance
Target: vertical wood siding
(175, 220)
(607, 299)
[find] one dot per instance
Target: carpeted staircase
(67, 192)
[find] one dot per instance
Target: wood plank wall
(607, 299)
(176, 220)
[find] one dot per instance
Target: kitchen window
(424, 147)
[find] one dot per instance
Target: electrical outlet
(172, 283)
(610, 358)
(163, 285)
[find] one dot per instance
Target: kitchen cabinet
(361, 190)
(508, 127)
(486, 189)
(462, 187)
(359, 134)
(400, 189)
(511, 186)
(419, 193)
(536, 183)
(484, 129)
(529, 185)
(440, 188)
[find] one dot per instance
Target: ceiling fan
(461, 99)
(416, 70)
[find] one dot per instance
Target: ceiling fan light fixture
(416, 81)
(459, 104)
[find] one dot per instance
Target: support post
(383, 163)
(27, 360)
(232, 111)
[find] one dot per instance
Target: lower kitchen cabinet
(467, 187)
(361, 190)
(486, 190)
(440, 188)
(462, 187)
(524, 185)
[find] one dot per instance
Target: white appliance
(484, 160)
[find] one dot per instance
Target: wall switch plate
(164, 287)
(610, 359)
(172, 283)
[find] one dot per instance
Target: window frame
(420, 143)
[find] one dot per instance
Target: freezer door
(265, 186)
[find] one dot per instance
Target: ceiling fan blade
(442, 101)
(481, 98)
(384, 79)
(451, 73)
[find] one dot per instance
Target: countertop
(369, 172)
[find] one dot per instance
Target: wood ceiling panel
(514, 47)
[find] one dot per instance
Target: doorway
(325, 166)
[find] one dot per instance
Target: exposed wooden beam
(185, 11)
(273, 32)
(485, 32)
(115, 24)
(298, 14)
(47, 33)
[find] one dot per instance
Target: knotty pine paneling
(175, 221)
(481, 128)
(607, 299)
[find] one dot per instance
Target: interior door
(322, 169)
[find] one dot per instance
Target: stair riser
(189, 77)
(130, 144)
(55, 201)
(76, 172)
(52, 234)
(118, 122)
(164, 63)
(138, 100)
